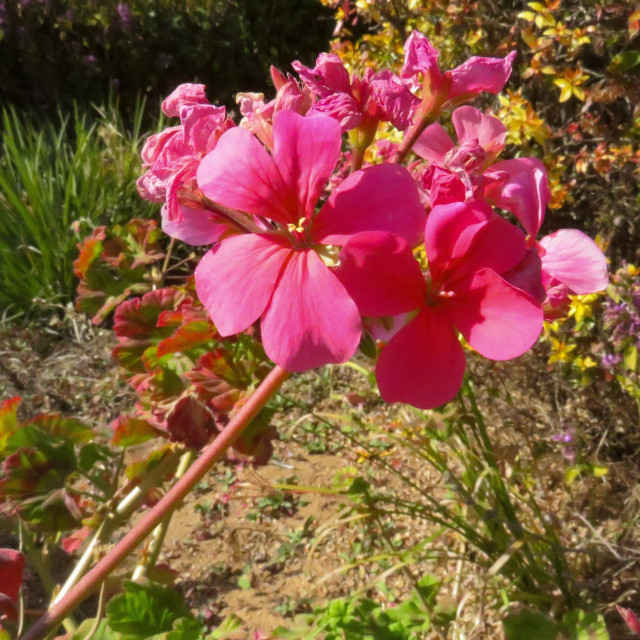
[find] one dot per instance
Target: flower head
(281, 276)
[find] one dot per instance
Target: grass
(59, 180)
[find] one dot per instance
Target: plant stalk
(90, 582)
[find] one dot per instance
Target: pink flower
(357, 102)
(258, 115)
(570, 263)
(172, 157)
(186, 95)
(452, 87)
(468, 248)
(307, 317)
(456, 173)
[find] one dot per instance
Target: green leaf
(231, 627)
(630, 357)
(102, 632)
(625, 61)
(145, 611)
(583, 625)
(530, 625)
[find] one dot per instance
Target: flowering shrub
(416, 254)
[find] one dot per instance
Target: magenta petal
(183, 96)
(423, 364)
(433, 144)
(341, 107)
(525, 193)
(240, 174)
(196, 226)
(381, 274)
(574, 259)
(479, 74)
(393, 98)
(446, 226)
(498, 320)
(311, 320)
(495, 244)
(383, 197)
(420, 56)
(471, 124)
(236, 278)
(306, 151)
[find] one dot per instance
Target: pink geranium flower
(281, 276)
(456, 173)
(357, 101)
(453, 87)
(172, 158)
(468, 247)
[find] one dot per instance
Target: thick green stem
(212, 452)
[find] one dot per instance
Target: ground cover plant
(380, 249)
(58, 180)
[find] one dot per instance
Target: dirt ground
(241, 545)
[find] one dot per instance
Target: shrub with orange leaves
(576, 106)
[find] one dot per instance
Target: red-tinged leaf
(145, 464)
(211, 387)
(129, 431)
(257, 439)
(8, 419)
(630, 618)
(135, 326)
(191, 422)
(113, 264)
(138, 318)
(187, 337)
(74, 541)
(190, 310)
(11, 570)
(62, 427)
(90, 249)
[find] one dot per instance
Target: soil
(241, 545)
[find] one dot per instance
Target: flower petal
(383, 197)
(471, 124)
(479, 74)
(446, 224)
(236, 278)
(240, 174)
(196, 226)
(498, 320)
(525, 192)
(380, 273)
(433, 144)
(574, 259)
(423, 364)
(311, 320)
(306, 151)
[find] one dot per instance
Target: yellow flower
(570, 84)
(584, 363)
(582, 306)
(560, 351)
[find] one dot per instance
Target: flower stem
(159, 533)
(211, 453)
(414, 133)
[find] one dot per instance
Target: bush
(55, 51)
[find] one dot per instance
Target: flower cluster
(417, 259)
